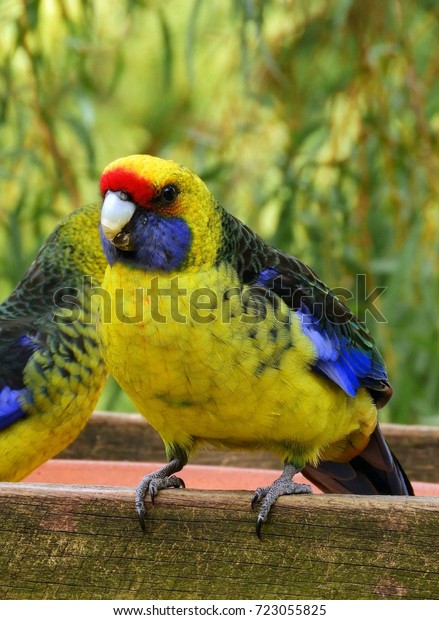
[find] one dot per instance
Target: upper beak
(115, 215)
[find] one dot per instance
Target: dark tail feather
(376, 471)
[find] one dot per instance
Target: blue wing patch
(345, 352)
(266, 277)
(13, 391)
(10, 407)
(332, 357)
(340, 359)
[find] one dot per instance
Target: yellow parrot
(221, 339)
(51, 369)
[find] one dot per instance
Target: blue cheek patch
(161, 243)
(109, 250)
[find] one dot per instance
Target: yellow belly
(201, 370)
(64, 390)
(35, 439)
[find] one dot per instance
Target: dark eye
(168, 194)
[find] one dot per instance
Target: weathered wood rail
(84, 542)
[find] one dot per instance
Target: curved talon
(141, 515)
(284, 485)
(259, 524)
(258, 495)
(152, 483)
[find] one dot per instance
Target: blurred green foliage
(314, 121)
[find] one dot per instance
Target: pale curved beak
(116, 212)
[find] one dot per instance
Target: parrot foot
(283, 485)
(152, 483)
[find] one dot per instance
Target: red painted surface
(122, 473)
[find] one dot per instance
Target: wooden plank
(60, 542)
(127, 436)
(417, 447)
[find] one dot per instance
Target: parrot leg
(163, 478)
(283, 485)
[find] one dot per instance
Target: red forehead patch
(119, 179)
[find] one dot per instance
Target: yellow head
(158, 216)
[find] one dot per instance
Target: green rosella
(221, 339)
(51, 370)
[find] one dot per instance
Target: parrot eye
(168, 194)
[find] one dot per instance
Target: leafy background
(314, 121)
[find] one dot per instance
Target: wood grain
(62, 542)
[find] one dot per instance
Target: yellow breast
(202, 365)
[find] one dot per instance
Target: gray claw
(284, 485)
(152, 483)
(258, 495)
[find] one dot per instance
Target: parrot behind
(221, 339)
(51, 369)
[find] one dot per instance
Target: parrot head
(158, 216)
